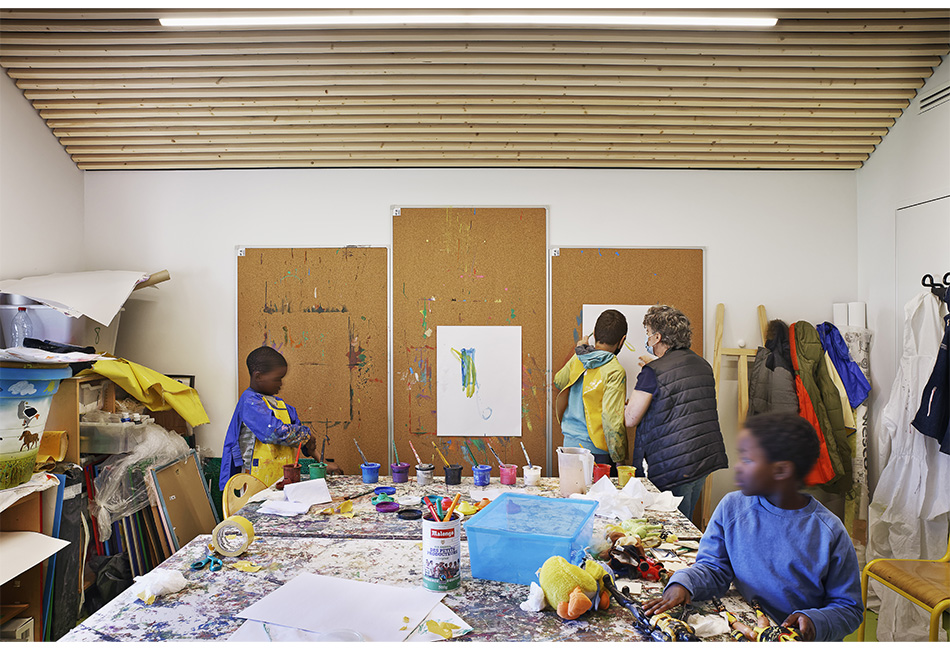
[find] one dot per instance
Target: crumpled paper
(159, 582)
(628, 503)
(706, 625)
(535, 601)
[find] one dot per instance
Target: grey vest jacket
(679, 434)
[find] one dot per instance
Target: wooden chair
(237, 491)
(925, 583)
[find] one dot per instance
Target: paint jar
(370, 472)
(441, 553)
(532, 474)
(482, 474)
(400, 472)
(291, 473)
(601, 470)
(424, 473)
(318, 470)
(453, 474)
(624, 474)
(509, 474)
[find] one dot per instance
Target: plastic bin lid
(535, 515)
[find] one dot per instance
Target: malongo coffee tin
(441, 553)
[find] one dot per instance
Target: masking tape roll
(232, 536)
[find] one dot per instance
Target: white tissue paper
(535, 602)
(159, 582)
(708, 625)
(628, 503)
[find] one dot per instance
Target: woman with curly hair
(673, 407)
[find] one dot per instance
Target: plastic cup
(400, 472)
(453, 474)
(318, 470)
(624, 474)
(509, 474)
(482, 474)
(532, 474)
(370, 472)
(291, 473)
(424, 473)
(601, 470)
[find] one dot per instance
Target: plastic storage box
(510, 539)
(109, 438)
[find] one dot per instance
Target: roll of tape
(232, 536)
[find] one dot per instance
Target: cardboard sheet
(378, 612)
(22, 550)
(96, 294)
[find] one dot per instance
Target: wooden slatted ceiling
(817, 91)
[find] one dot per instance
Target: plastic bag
(122, 486)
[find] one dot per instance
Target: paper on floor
(377, 611)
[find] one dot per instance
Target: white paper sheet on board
(629, 357)
(323, 603)
(487, 400)
(96, 294)
(22, 550)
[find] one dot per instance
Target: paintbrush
(491, 449)
(455, 502)
(358, 495)
(297, 457)
(395, 453)
(323, 447)
(440, 454)
(418, 460)
(471, 456)
(365, 462)
(526, 455)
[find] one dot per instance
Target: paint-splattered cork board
(324, 309)
(620, 276)
(470, 267)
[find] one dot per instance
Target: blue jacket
(855, 383)
(252, 410)
(788, 560)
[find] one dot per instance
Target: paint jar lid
(409, 500)
(385, 489)
(409, 513)
(387, 506)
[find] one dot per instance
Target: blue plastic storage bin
(510, 538)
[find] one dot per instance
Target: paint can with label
(424, 473)
(441, 553)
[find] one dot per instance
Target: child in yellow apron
(264, 432)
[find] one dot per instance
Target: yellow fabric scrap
(155, 390)
(345, 509)
(245, 566)
(147, 601)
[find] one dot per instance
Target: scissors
(215, 563)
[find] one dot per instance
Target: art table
(206, 609)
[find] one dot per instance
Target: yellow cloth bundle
(155, 390)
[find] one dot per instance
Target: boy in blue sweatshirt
(593, 388)
(780, 547)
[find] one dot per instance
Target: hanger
(939, 289)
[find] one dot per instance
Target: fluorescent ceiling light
(462, 19)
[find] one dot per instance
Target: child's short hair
(264, 359)
(786, 436)
(671, 324)
(611, 326)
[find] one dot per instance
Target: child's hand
(805, 627)
(675, 594)
(333, 469)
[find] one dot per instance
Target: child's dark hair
(264, 359)
(786, 436)
(611, 326)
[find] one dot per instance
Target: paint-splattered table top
(206, 608)
(369, 524)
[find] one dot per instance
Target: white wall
(782, 239)
(41, 194)
(910, 166)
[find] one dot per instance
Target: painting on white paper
(633, 348)
(478, 390)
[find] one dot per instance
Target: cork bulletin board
(630, 276)
(470, 267)
(325, 311)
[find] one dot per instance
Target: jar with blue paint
(370, 472)
(482, 474)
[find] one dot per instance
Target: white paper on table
(37, 483)
(440, 616)
(21, 354)
(267, 494)
(22, 550)
(309, 492)
(633, 348)
(374, 610)
(283, 508)
(96, 294)
(491, 406)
